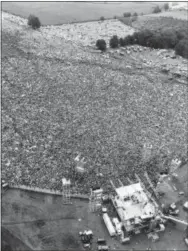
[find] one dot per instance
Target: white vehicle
(109, 225)
(104, 210)
(117, 225)
(186, 241)
(124, 240)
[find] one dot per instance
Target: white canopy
(66, 182)
(128, 191)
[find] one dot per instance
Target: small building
(134, 208)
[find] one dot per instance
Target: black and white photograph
(94, 125)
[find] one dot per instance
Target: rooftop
(132, 202)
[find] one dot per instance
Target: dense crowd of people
(51, 94)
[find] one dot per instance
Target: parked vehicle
(86, 238)
(109, 225)
(117, 225)
(103, 248)
(101, 242)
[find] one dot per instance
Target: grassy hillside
(59, 98)
(64, 12)
(179, 14)
(155, 22)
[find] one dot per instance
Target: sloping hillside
(59, 97)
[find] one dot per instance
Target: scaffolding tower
(66, 191)
(95, 200)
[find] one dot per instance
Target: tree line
(166, 38)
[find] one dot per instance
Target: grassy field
(44, 223)
(179, 14)
(64, 12)
(157, 22)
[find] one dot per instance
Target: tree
(181, 33)
(182, 48)
(156, 9)
(166, 6)
(135, 37)
(114, 42)
(121, 42)
(135, 14)
(127, 14)
(155, 41)
(101, 44)
(169, 38)
(144, 36)
(34, 22)
(102, 18)
(128, 40)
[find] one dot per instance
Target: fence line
(47, 191)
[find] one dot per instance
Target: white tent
(66, 182)
(80, 164)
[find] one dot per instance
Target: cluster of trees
(101, 43)
(166, 6)
(128, 14)
(34, 22)
(162, 39)
(102, 18)
(158, 10)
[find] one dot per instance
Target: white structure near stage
(134, 207)
(95, 199)
(80, 163)
(66, 190)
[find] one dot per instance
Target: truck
(109, 225)
(102, 246)
(117, 225)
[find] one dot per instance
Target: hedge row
(162, 39)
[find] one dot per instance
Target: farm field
(179, 14)
(64, 12)
(153, 22)
(44, 223)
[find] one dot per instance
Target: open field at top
(179, 14)
(156, 22)
(60, 97)
(64, 12)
